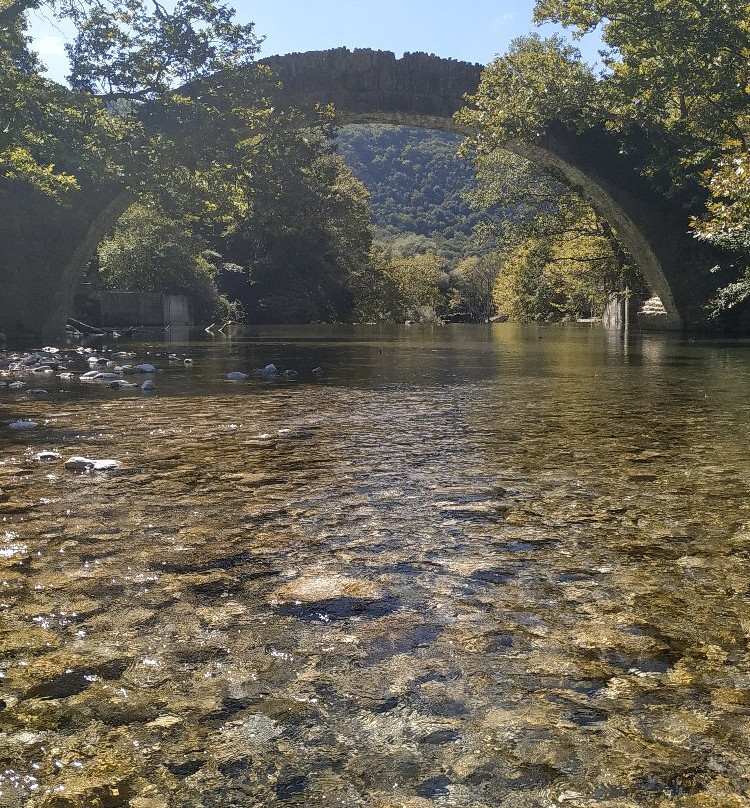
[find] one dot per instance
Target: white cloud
(49, 45)
(499, 22)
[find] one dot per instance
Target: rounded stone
(311, 588)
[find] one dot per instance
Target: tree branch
(12, 12)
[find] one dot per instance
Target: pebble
(37, 393)
(236, 375)
(145, 368)
(269, 370)
(23, 424)
(44, 457)
(121, 384)
(148, 386)
(90, 464)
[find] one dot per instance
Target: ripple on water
(515, 580)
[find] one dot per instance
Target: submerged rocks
(325, 586)
(325, 597)
(47, 456)
(121, 384)
(23, 424)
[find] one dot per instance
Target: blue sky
(472, 30)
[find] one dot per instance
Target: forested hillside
(416, 183)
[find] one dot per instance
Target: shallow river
(463, 566)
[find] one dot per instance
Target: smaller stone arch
(46, 248)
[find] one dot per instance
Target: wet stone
(441, 736)
(325, 587)
(435, 787)
(325, 611)
(185, 768)
(75, 680)
(290, 787)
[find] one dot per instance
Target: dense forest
(418, 189)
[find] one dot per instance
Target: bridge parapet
(367, 81)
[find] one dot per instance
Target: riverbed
(472, 566)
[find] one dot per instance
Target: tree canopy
(675, 88)
(677, 72)
(157, 104)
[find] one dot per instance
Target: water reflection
(464, 566)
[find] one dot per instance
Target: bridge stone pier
(44, 247)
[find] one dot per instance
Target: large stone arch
(46, 247)
(425, 91)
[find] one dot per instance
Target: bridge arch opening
(602, 202)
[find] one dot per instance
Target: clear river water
(484, 567)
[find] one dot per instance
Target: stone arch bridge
(46, 247)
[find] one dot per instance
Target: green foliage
(547, 280)
(680, 70)
(305, 236)
(536, 81)
(727, 223)
(47, 134)
(417, 186)
(558, 261)
(126, 119)
(675, 88)
(729, 297)
(149, 252)
(472, 285)
(521, 292)
(676, 72)
(676, 68)
(421, 283)
(374, 292)
(137, 50)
